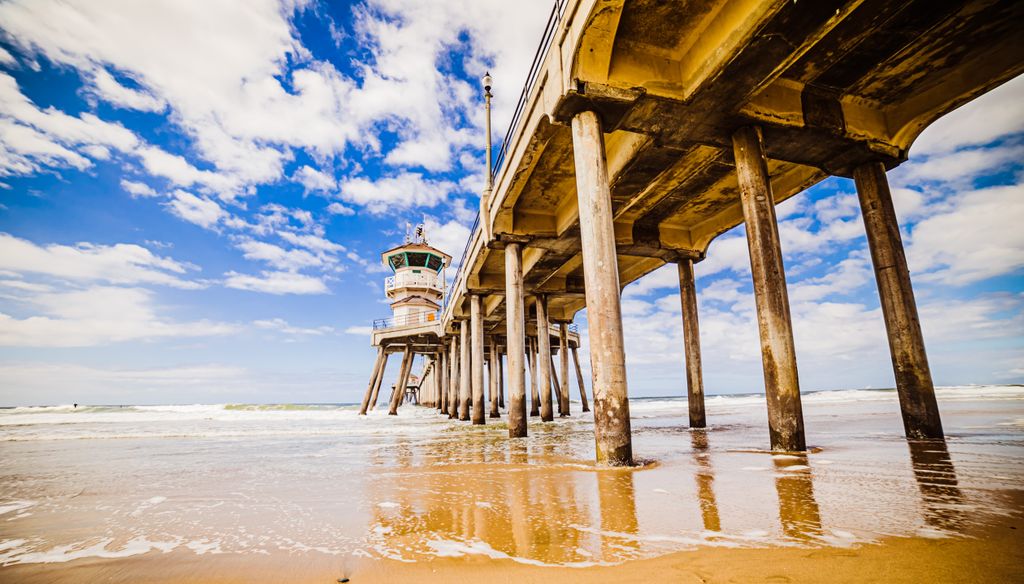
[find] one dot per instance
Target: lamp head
(487, 82)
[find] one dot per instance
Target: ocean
(99, 483)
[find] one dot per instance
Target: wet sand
(227, 497)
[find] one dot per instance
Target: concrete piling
(516, 339)
(492, 377)
(601, 278)
(691, 344)
(563, 377)
(579, 380)
(544, 358)
(465, 372)
(477, 333)
(906, 342)
(403, 380)
(373, 380)
(778, 353)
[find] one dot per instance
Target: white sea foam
(15, 506)
(22, 554)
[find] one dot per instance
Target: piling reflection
(935, 474)
(619, 524)
(705, 481)
(798, 509)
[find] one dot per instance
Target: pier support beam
(516, 324)
(531, 354)
(465, 372)
(544, 358)
(492, 377)
(453, 379)
(563, 377)
(381, 356)
(579, 380)
(906, 342)
(501, 380)
(442, 390)
(601, 277)
(778, 354)
(691, 344)
(403, 380)
(476, 320)
(379, 381)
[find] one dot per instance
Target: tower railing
(407, 320)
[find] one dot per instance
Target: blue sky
(193, 198)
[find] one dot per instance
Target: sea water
(120, 481)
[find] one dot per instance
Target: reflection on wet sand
(619, 524)
(705, 480)
(941, 497)
(798, 509)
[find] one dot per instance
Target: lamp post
(487, 107)
(485, 201)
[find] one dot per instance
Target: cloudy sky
(193, 198)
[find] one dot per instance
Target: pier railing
(406, 320)
(557, 10)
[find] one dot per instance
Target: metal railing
(406, 320)
(531, 78)
(429, 280)
(557, 10)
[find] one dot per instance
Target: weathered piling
(579, 380)
(778, 353)
(906, 342)
(492, 377)
(403, 380)
(691, 344)
(453, 378)
(534, 388)
(477, 329)
(465, 372)
(516, 339)
(601, 277)
(381, 356)
(563, 377)
(544, 358)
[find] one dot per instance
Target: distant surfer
(76, 406)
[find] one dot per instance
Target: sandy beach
(313, 494)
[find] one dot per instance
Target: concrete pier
(778, 354)
(453, 378)
(477, 333)
(691, 344)
(534, 388)
(544, 358)
(377, 371)
(465, 372)
(563, 377)
(516, 340)
(579, 380)
(604, 311)
(492, 377)
(403, 380)
(906, 342)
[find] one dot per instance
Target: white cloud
(978, 236)
(199, 210)
(7, 58)
(98, 316)
(137, 189)
(113, 92)
(282, 326)
(362, 331)
(121, 263)
(401, 191)
(339, 209)
(276, 283)
(315, 243)
(449, 237)
(278, 257)
(313, 180)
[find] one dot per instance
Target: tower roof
(415, 254)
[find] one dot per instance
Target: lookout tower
(417, 286)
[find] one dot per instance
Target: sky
(194, 197)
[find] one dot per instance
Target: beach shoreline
(894, 560)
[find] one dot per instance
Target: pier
(646, 129)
